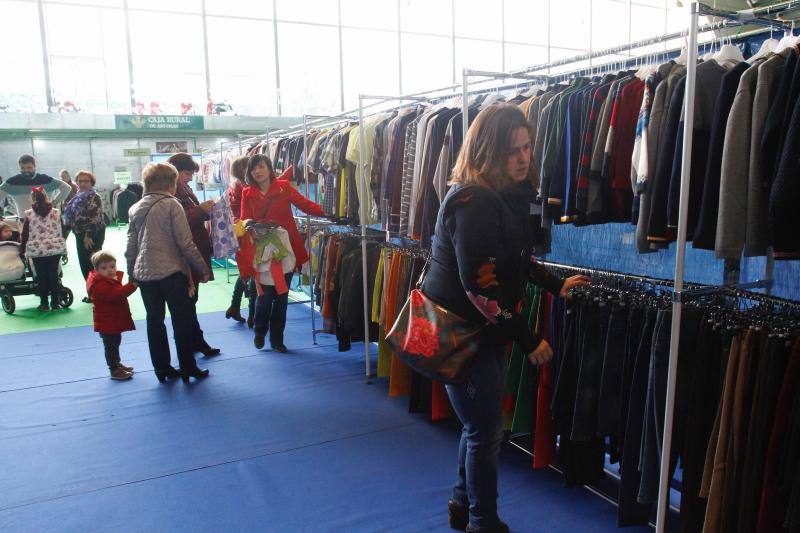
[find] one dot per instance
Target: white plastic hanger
(767, 47)
(788, 41)
(729, 54)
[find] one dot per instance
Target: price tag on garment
(123, 177)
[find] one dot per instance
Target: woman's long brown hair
(482, 159)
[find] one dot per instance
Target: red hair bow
(38, 189)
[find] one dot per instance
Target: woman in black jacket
(480, 263)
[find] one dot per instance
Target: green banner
(158, 122)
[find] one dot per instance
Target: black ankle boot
(197, 373)
(170, 373)
(457, 516)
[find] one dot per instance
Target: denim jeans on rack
(630, 511)
(584, 421)
(650, 459)
(633, 336)
(611, 377)
(704, 397)
(478, 405)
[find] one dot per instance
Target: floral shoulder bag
(432, 340)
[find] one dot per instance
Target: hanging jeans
(611, 379)
(271, 312)
(650, 459)
(478, 404)
(631, 512)
(47, 277)
(172, 291)
(85, 254)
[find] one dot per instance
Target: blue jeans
(478, 404)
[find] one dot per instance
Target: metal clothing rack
(731, 19)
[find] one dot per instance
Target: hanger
(729, 54)
(789, 40)
(767, 47)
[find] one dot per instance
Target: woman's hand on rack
(542, 354)
(572, 282)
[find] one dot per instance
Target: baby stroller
(18, 278)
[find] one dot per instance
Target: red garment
(235, 194)
(197, 218)
(544, 444)
(276, 206)
(774, 502)
(111, 312)
(625, 116)
(440, 402)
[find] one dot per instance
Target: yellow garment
(343, 193)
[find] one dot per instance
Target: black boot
(197, 373)
(457, 516)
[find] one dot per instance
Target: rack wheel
(65, 297)
(9, 305)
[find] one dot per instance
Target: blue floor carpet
(270, 442)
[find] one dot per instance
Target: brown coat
(197, 218)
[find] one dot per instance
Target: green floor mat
(214, 296)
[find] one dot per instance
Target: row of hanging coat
(736, 433)
(609, 149)
(122, 199)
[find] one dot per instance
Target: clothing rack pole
(308, 234)
(680, 256)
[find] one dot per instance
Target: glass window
(646, 22)
(370, 64)
(427, 16)
(609, 23)
(435, 71)
(240, 8)
(478, 55)
(481, 19)
(369, 14)
(180, 6)
(247, 85)
(88, 57)
(569, 23)
(98, 3)
(677, 18)
(526, 21)
(22, 86)
(309, 63)
(319, 11)
(519, 56)
(168, 71)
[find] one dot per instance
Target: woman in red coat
(268, 198)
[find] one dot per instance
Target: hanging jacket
(111, 312)
(276, 206)
(481, 260)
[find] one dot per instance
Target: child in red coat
(112, 316)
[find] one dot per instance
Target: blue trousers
(478, 404)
